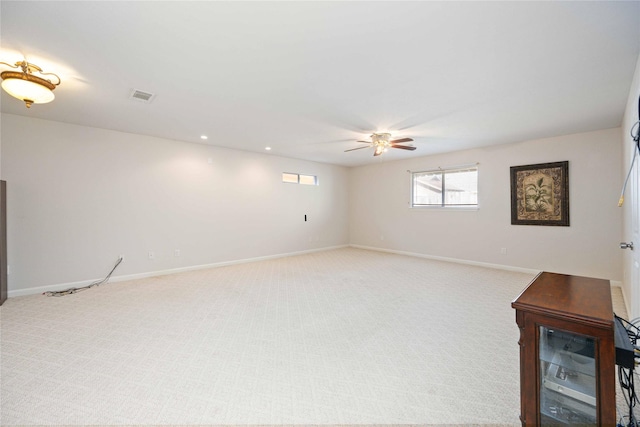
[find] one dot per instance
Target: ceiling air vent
(141, 96)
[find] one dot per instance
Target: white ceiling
(311, 78)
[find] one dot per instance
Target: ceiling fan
(382, 141)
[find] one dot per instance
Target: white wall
(631, 292)
(379, 197)
(78, 197)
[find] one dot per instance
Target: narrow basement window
(298, 178)
(290, 177)
(308, 180)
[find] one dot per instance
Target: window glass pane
(308, 180)
(454, 187)
(461, 187)
(290, 177)
(427, 188)
(567, 374)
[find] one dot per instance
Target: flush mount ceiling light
(26, 86)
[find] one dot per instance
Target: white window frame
(444, 171)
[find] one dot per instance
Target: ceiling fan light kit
(26, 86)
(382, 142)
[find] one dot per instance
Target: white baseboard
(624, 296)
(455, 260)
(481, 264)
(63, 286)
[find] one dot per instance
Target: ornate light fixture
(26, 86)
(381, 142)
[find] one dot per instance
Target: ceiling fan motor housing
(381, 139)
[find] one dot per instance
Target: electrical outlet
(176, 252)
(382, 237)
(503, 251)
(151, 255)
(8, 269)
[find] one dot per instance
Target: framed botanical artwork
(540, 194)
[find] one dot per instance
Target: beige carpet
(338, 337)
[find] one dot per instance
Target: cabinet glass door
(567, 378)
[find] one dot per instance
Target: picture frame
(540, 194)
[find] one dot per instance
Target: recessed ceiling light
(204, 137)
(267, 148)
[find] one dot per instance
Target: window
(297, 178)
(308, 180)
(290, 177)
(445, 187)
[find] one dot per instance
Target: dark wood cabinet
(567, 354)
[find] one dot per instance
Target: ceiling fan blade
(352, 149)
(404, 147)
(395, 141)
(366, 142)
